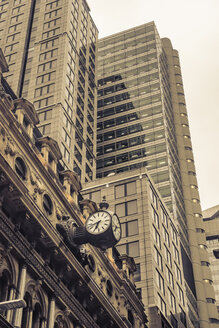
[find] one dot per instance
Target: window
(125, 189)
(176, 254)
(172, 300)
(155, 216)
(46, 115)
(160, 282)
(162, 305)
(129, 228)
(95, 196)
(77, 169)
(78, 155)
(20, 168)
(164, 217)
(89, 172)
(66, 137)
(127, 208)
(170, 277)
(178, 273)
(65, 153)
(168, 256)
(173, 232)
(131, 249)
(180, 294)
(45, 129)
(78, 140)
(154, 198)
(137, 273)
(67, 123)
(158, 259)
(157, 237)
(47, 204)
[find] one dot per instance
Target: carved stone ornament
(9, 150)
(35, 179)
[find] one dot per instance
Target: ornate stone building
(64, 285)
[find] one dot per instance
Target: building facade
(211, 226)
(152, 238)
(63, 285)
(50, 47)
(142, 122)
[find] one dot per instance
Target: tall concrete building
(211, 225)
(142, 122)
(50, 47)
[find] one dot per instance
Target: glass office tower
(142, 122)
(50, 47)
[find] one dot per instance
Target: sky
(193, 28)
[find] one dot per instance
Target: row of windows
(129, 106)
(149, 100)
(139, 153)
(128, 84)
(130, 94)
(150, 164)
(126, 74)
(127, 35)
(51, 33)
(44, 102)
(44, 90)
(52, 14)
(127, 61)
(126, 45)
(128, 118)
(131, 155)
(146, 125)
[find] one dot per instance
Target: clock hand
(97, 223)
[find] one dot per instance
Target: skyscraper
(51, 53)
(142, 122)
(211, 225)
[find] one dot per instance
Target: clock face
(98, 222)
(116, 227)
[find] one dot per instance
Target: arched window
(4, 288)
(26, 311)
(47, 204)
(20, 168)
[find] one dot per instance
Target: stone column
(30, 317)
(51, 316)
(21, 289)
(12, 296)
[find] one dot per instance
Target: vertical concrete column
(21, 289)
(51, 316)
